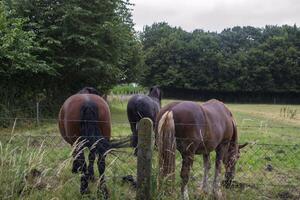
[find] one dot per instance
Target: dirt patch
(285, 195)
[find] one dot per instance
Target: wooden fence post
(144, 159)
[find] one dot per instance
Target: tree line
(245, 59)
(52, 48)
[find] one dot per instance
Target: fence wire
(259, 124)
(35, 164)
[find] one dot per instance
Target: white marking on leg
(206, 170)
(185, 193)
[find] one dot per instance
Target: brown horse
(197, 129)
(85, 122)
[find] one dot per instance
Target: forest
(51, 49)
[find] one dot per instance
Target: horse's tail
(166, 146)
(90, 133)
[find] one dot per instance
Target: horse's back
(217, 113)
(216, 107)
(188, 118)
(69, 116)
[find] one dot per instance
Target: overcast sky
(215, 15)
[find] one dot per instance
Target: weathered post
(144, 159)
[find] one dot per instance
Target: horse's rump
(140, 106)
(69, 116)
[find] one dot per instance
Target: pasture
(35, 163)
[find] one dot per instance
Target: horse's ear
(243, 145)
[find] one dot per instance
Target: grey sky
(215, 15)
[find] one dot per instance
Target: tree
(88, 43)
(56, 47)
(18, 47)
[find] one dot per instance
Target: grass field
(36, 164)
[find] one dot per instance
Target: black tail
(89, 128)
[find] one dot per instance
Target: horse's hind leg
(102, 185)
(217, 182)
(88, 174)
(92, 157)
(206, 160)
(79, 160)
(187, 162)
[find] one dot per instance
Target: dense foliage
(237, 59)
(49, 49)
(54, 48)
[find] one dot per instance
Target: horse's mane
(89, 90)
(155, 92)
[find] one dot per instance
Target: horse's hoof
(92, 178)
(130, 180)
(75, 170)
(218, 195)
(84, 191)
(203, 190)
(135, 152)
(103, 192)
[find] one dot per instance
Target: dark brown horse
(85, 122)
(140, 106)
(197, 129)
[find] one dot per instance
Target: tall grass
(36, 164)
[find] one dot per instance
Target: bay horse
(192, 129)
(85, 122)
(140, 106)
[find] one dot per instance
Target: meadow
(35, 162)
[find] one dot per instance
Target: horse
(192, 129)
(85, 122)
(140, 106)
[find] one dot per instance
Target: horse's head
(230, 159)
(155, 92)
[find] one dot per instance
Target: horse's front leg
(187, 162)
(217, 182)
(206, 161)
(102, 185)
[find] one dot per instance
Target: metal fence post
(144, 159)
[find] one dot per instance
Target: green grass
(128, 89)
(274, 141)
